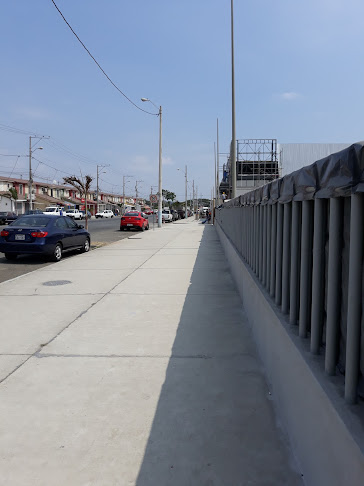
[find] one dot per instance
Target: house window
(20, 189)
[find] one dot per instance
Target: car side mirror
(80, 226)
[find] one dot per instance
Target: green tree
(168, 195)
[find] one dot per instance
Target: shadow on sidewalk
(214, 423)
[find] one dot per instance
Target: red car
(134, 219)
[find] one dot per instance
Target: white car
(74, 213)
(54, 210)
(107, 213)
(167, 216)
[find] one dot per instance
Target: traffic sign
(153, 198)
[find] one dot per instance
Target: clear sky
(299, 74)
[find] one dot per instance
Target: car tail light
(122, 219)
(4, 233)
(138, 219)
(39, 234)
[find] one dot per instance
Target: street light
(233, 134)
(124, 190)
(97, 183)
(160, 163)
(185, 191)
(30, 170)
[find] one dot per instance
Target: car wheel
(57, 253)
(86, 246)
(10, 256)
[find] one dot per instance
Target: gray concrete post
(333, 284)
(295, 263)
(264, 261)
(318, 275)
(306, 269)
(354, 298)
(273, 246)
(279, 250)
(286, 258)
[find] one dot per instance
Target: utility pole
(30, 169)
(233, 135)
(124, 191)
(30, 174)
(97, 189)
(136, 191)
(97, 183)
(217, 160)
(193, 191)
(186, 194)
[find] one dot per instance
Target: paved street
(103, 231)
(133, 364)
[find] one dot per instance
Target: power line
(7, 128)
(98, 65)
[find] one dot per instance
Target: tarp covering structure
(338, 177)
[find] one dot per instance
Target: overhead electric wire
(12, 155)
(60, 146)
(7, 128)
(98, 65)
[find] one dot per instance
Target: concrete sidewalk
(133, 365)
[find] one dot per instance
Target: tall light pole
(185, 190)
(136, 191)
(124, 191)
(30, 170)
(160, 163)
(97, 184)
(233, 135)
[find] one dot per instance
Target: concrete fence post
(354, 298)
(334, 284)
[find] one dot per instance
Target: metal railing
(302, 235)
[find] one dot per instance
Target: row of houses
(45, 194)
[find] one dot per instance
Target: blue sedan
(44, 235)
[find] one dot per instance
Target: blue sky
(298, 75)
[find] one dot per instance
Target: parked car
(43, 235)
(107, 213)
(181, 213)
(74, 213)
(175, 215)
(134, 219)
(34, 211)
(167, 216)
(7, 217)
(54, 211)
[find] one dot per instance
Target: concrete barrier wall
(326, 433)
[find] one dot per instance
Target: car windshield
(3, 213)
(131, 214)
(31, 221)
(51, 210)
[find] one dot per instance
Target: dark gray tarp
(337, 175)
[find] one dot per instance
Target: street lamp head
(40, 148)
(144, 99)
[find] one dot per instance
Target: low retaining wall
(326, 434)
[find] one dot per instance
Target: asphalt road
(102, 231)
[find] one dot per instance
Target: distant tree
(168, 195)
(83, 186)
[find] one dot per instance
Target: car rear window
(131, 214)
(30, 221)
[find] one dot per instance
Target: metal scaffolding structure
(257, 161)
